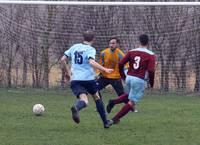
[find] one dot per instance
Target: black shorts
(84, 87)
(115, 83)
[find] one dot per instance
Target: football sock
(80, 104)
(125, 109)
(101, 110)
(121, 99)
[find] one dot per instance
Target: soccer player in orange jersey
(109, 58)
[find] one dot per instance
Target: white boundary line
(87, 3)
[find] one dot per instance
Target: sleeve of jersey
(121, 65)
(91, 54)
(68, 53)
(121, 55)
(102, 58)
(151, 70)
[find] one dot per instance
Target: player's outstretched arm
(96, 65)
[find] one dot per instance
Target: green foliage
(161, 120)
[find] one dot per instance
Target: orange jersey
(110, 59)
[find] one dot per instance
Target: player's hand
(67, 77)
(107, 70)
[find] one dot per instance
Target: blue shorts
(84, 87)
(135, 88)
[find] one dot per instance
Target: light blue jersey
(80, 67)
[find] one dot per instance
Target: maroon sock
(121, 99)
(125, 109)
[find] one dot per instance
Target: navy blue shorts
(84, 87)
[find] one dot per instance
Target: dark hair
(88, 35)
(117, 39)
(144, 39)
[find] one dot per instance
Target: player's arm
(65, 67)
(151, 70)
(122, 62)
(63, 61)
(121, 55)
(96, 65)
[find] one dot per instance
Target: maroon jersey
(141, 61)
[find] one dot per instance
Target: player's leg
(121, 99)
(92, 88)
(117, 86)
(125, 109)
(101, 109)
(81, 102)
(102, 82)
(135, 94)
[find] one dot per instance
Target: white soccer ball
(38, 109)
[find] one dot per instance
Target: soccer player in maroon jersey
(141, 62)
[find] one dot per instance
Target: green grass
(161, 120)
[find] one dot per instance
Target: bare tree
(47, 41)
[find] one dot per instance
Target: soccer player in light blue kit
(83, 76)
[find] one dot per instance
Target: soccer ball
(38, 109)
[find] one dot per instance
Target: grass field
(161, 120)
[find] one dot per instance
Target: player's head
(144, 39)
(113, 43)
(88, 36)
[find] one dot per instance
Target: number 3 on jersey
(136, 64)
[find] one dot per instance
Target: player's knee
(131, 103)
(84, 98)
(96, 97)
(86, 101)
